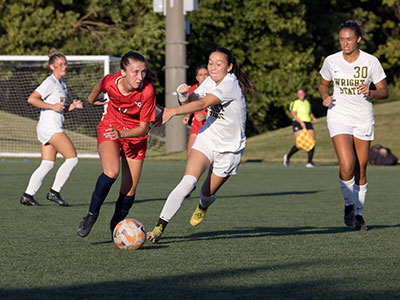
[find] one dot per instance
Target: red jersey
(127, 111)
(196, 125)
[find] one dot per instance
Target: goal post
(21, 75)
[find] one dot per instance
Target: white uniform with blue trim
(222, 138)
(51, 122)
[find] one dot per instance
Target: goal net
(21, 75)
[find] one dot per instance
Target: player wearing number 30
(350, 116)
(122, 135)
(220, 142)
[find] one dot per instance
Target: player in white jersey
(50, 97)
(220, 142)
(350, 116)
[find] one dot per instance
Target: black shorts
(296, 126)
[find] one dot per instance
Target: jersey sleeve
(44, 89)
(293, 106)
(226, 91)
(377, 72)
(104, 83)
(326, 70)
(148, 109)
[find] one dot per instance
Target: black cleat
(86, 225)
(55, 197)
(28, 200)
(349, 215)
(113, 224)
(360, 223)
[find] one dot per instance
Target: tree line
(280, 44)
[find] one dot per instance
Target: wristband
(182, 98)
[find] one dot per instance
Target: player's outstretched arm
(167, 113)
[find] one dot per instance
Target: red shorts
(196, 125)
(130, 148)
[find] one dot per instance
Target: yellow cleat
(198, 216)
(155, 235)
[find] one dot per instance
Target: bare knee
(112, 172)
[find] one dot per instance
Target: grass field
(273, 233)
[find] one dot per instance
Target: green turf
(273, 233)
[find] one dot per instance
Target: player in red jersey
(121, 135)
(198, 118)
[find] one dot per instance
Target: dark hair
(54, 54)
(300, 89)
(135, 56)
(354, 25)
(246, 85)
(202, 66)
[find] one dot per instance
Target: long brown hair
(246, 85)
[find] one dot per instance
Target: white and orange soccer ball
(129, 234)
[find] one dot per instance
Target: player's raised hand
(184, 88)
(112, 133)
(76, 104)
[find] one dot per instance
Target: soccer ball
(129, 234)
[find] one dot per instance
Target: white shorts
(363, 131)
(44, 135)
(223, 164)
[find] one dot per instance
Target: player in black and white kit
(350, 114)
(51, 97)
(220, 142)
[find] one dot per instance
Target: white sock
(360, 191)
(37, 177)
(347, 190)
(205, 202)
(63, 173)
(176, 197)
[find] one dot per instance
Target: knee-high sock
(359, 193)
(63, 173)
(122, 207)
(292, 151)
(37, 177)
(205, 202)
(176, 197)
(347, 190)
(100, 193)
(310, 155)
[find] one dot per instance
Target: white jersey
(349, 104)
(51, 91)
(225, 126)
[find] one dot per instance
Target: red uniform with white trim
(196, 125)
(125, 112)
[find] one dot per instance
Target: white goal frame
(105, 59)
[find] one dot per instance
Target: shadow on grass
(258, 232)
(258, 282)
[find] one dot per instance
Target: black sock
(27, 195)
(203, 208)
(310, 155)
(100, 193)
(122, 207)
(54, 192)
(292, 151)
(162, 222)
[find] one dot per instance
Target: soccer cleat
(285, 161)
(56, 198)
(310, 165)
(198, 216)
(349, 215)
(155, 235)
(86, 225)
(28, 200)
(360, 223)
